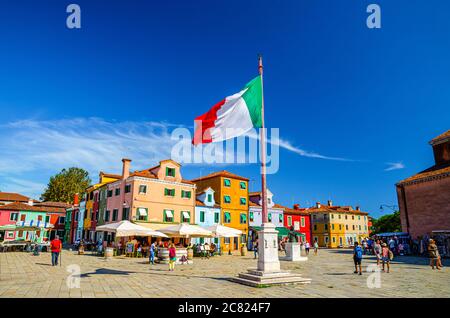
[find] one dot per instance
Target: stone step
(256, 272)
(269, 279)
(267, 276)
(264, 283)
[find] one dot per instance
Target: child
(385, 256)
(357, 258)
(172, 257)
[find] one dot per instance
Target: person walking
(152, 253)
(307, 247)
(55, 247)
(357, 258)
(255, 249)
(434, 254)
(316, 247)
(172, 257)
(377, 251)
(386, 256)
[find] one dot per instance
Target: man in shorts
(357, 258)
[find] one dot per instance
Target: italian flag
(231, 117)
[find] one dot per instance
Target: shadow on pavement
(106, 271)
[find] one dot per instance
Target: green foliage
(387, 223)
(63, 186)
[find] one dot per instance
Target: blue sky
(137, 69)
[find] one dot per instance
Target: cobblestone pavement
(24, 275)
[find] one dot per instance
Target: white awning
(142, 212)
(169, 214)
(186, 215)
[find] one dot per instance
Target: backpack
(358, 252)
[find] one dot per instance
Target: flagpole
(263, 147)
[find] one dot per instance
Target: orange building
(231, 193)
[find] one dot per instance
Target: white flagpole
(263, 149)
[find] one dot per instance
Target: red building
(424, 198)
(300, 219)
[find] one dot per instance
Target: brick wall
(428, 206)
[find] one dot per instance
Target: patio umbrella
(186, 231)
(126, 228)
(224, 231)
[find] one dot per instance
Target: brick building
(424, 198)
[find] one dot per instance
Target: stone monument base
(255, 278)
(294, 253)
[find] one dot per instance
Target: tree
(63, 186)
(387, 223)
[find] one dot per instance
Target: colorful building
(8, 197)
(300, 219)
(56, 213)
(154, 197)
(338, 226)
(18, 213)
(91, 213)
(275, 215)
(207, 213)
(424, 198)
(231, 193)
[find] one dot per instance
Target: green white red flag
(231, 117)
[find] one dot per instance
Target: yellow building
(338, 226)
(90, 218)
(231, 193)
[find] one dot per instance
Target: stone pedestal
(268, 270)
(294, 252)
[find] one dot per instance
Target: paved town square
(331, 271)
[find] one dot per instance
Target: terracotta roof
(18, 206)
(335, 208)
(435, 171)
(222, 173)
(13, 197)
(54, 204)
(254, 194)
(442, 137)
(147, 173)
(200, 203)
(110, 175)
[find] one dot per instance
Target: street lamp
(391, 207)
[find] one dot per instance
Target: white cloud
(33, 150)
(394, 166)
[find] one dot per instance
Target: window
(303, 221)
(226, 217)
(268, 201)
(107, 215)
(62, 220)
(13, 216)
(339, 216)
(227, 199)
(353, 227)
(142, 189)
(280, 218)
(365, 227)
(250, 215)
(243, 218)
(326, 227)
(185, 194)
(326, 239)
(168, 216)
(226, 240)
(242, 185)
(353, 217)
(185, 216)
(117, 192)
(333, 239)
(109, 193)
(346, 217)
(202, 216)
(314, 217)
(115, 214)
(332, 226)
(359, 227)
(315, 227)
(47, 219)
(125, 213)
(227, 182)
(96, 215)
(243, 201)
(170, 172)
(142, 214)
(289, 220)
(359, 217)
(332, 216)
(169, 192)
(269, 217)
(39, 217)
(22, 217)
(216, 217)
(346, 227)
(209, 197)
(340, 226)
(365, 217)
(128, 188)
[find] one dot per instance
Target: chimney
(76, 199)
(296, 206)
(318, 205)
(30, 202)
(125, 168)
(357, 208)
(330, 203)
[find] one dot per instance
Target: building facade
(231, 193)
(338, 226)
(300, 219)
(207, 213)
(424, 198)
